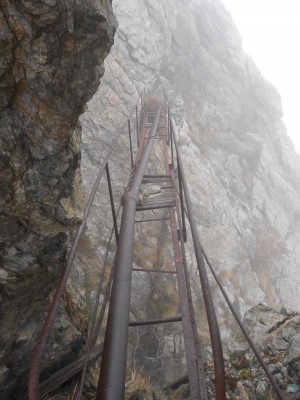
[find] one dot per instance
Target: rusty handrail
(199, 359)
(95, 325)
(207, 296)
(239, 322)
(35, 365)
(194, 361)
(241, 325)
(111, 383)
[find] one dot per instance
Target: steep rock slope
(241, 166)
(51, 59)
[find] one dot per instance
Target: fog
(270, 31)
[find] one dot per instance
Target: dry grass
(138, 382)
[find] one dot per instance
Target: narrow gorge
(243, 173)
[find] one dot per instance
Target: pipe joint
(130, 196)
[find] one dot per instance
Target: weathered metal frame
(111, 385)
(207, 296)
(230, 305)
(195, 366)
(35, 365)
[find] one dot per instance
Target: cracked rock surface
(241, 166)
(51, 61)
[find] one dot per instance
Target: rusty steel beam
(182, 206)
(156, 321)
(67, 372)
(186, 322)
(193, 354)
(160, 271)
(95, 325)
(172, 141)
(168, 129)
(112, 204)
(153, 219)
(155, 207)
(130, 143)
(195, 367)
(191, 328)
(137, 125)
(111, 384)
(207, 296)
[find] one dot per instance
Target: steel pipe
(111, 385)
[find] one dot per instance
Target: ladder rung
(149, 125)
(156, 179)
(155, 206)
(153, 219)
(157, 176)
(159, 199)
(152, 180)
(150, 113)
(167, 200)
(156, 321)
(159, 271)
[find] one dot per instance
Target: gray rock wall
(242, 169)
(51, 56)
(241, 166)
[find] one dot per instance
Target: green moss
(244, 374)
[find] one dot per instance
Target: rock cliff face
(51, 61)
(241, 166)
(242, 169)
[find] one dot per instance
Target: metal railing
(35, 366)
(112, 376)
(213, 325)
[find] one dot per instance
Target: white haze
(270, 30)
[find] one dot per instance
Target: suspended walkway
(152, 126)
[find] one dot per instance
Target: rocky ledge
(277, 337)
(51, 56)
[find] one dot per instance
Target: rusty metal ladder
(168, 198)
(111, 382)
(172, 197)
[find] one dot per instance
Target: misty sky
(270, 30)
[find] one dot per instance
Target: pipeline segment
(111, 385)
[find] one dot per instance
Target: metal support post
(137, 126)
(182, 205)
(112, 203)
(172, 145)
(130, 144)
